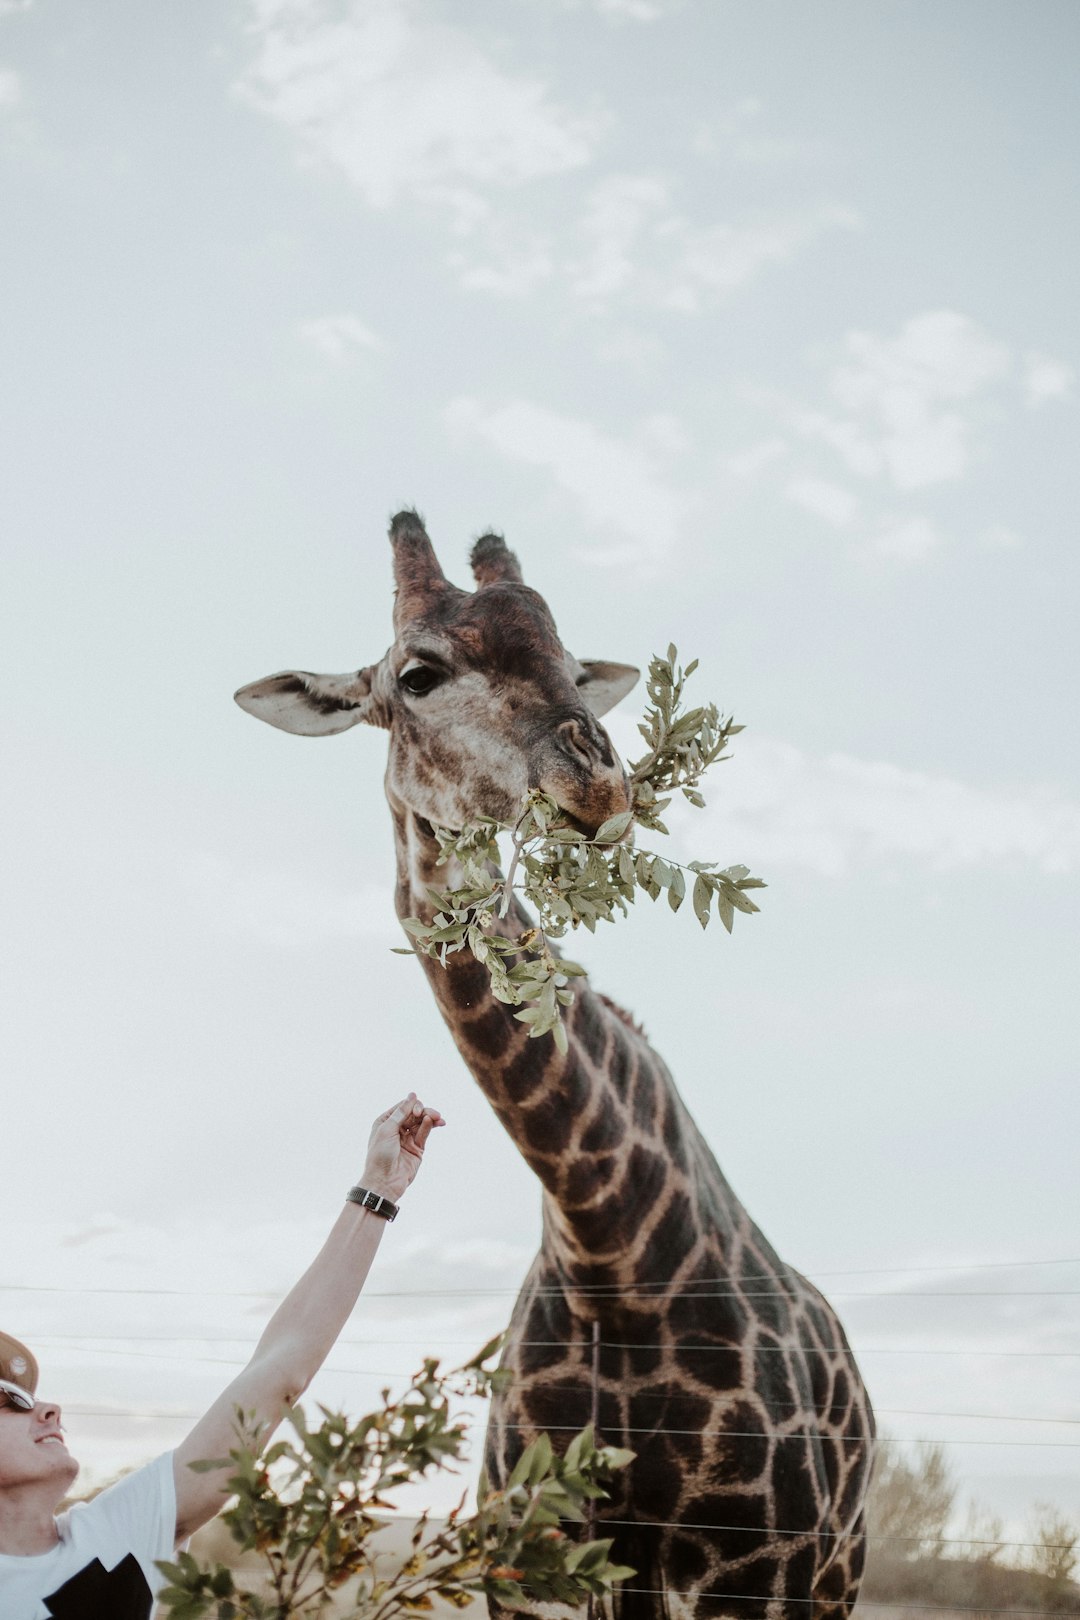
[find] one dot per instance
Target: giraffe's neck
(623, 1168)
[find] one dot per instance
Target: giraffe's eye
(419, 679)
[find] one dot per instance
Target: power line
(762, 1276)
(830, 1535)
(639, 1395)
(571, 1428)
(752, 1434)
(563, 1344)
(688, 1524)
(975, 1265)
(864, 1603)
(592, 1291)
(602, 1291)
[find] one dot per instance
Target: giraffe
(724, 1370)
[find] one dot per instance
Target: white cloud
(902, 537)
(619, 484)
(515, 260)
(907, 538)
(639, 247)
(7, 7)
(617, 214)
(908, 409)
(643, 11)
(829, 501)
(632, 347)
(339, 336)
(404, 106)
(1046, 378)
(416, 110)
(848, 439)
(750, 462)
(903, 398)
(832, 814)
(663, 433)
(635, 10)
(736, 136)
(939, 355)
(906, 413)
(10, 87)
(1000, 538)
(720, 258)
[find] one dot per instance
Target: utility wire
(571, 1428)
(751, 1434)
(693, 1289)
(831, 1535)
(640, 1395)
(617, 1344)
(864, 1603)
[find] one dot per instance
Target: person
(97, 1560)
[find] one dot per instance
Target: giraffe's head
(480, 697)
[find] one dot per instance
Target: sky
(754, 328)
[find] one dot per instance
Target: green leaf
(739, 900)
(662, 873)
(613, 828)
(578, 882)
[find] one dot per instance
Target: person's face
(32, 1448)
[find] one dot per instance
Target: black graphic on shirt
(97, 1593)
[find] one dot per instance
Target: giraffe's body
(724, 1370)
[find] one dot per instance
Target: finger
(422, 1112)
(399, 1110)
(426, 1108)
(421, 1132)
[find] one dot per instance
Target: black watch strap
(372, 1201)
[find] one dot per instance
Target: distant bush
(912, 1560)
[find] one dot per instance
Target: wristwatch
(371, 1200)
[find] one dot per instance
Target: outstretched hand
(396, 1146)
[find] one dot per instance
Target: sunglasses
(15, 1396)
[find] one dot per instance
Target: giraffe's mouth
(589, 829)
(575, 823)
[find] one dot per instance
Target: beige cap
(17, 1363)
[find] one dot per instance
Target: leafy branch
(311, 1508)
(574, 881)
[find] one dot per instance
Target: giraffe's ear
(312, 705)
(603, 685)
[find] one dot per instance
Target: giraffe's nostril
(575, 741)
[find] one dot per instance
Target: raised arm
(302, 1330)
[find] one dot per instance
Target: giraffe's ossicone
(724, 1370)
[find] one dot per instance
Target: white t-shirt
(102, 1568)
